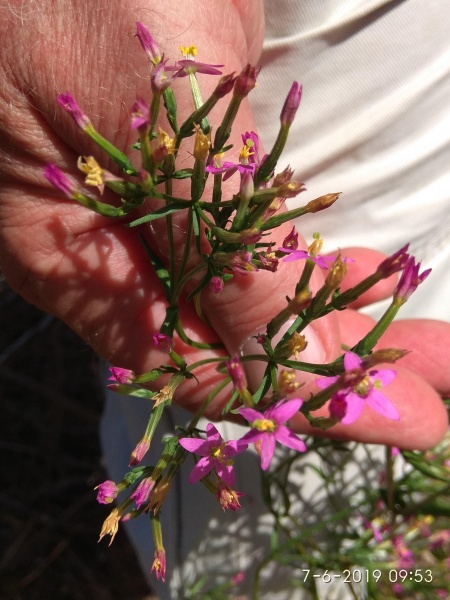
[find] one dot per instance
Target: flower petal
(267, 450)
(289, 439)
(234, 447)
(250, 414)
(213, 435)
(355, 405)
(283, 411)
(352, 361)
(324, 382)
(382, 405)
(226, 473)
(202, 468)
(201, 447)
(294, 255)
(384, 376)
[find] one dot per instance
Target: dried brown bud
(336, 273)
(385, 355)
(322, 202)
(301, 301)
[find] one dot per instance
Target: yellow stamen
(188, 51)
(244, 154)
(94, 172)
(264, 425)
(287, 383)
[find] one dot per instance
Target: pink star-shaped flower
(366, 391)
(216, 454)
(268, 427)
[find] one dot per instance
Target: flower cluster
(227, 236)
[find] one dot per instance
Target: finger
(426, 340)
(423, 419)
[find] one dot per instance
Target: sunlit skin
(93, 274)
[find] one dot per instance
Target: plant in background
(231, 235)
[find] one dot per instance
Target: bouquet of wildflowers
(227, 237)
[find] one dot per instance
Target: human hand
(93, 273)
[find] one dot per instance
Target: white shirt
(374, 124)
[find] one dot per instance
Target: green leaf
(158, 214)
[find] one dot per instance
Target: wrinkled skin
(92, 273)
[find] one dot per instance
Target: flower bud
(148, 43)
(59, 180)
(336, 273)
(245, 81)
(225, 85)
(322, 202)
(68, 102)
(291, 104)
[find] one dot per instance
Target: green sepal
(134, 475)
(128, 390)
(127, 190)
(114, 153)
(278, 220)
(149, 376)
(170, 104)
(101, 208)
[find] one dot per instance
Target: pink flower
(120, 375)
(142, 492)
(246, 81)
(60, 180)
(236, 372)
(290, 242)
(228, 498)
(216, 285)
(189, 66)
(366, 390)
(148, 43)
(68, 102)
(107, 492)
(241, 262)
(321, 261)
(394, 263)
(140, 115)
(338, 406)
(160, 79)
(251, 140)
(230, 168)
(216, 454)
(159, 564)
(409, 281)
(139, 452)
(268, 428)
(163, 342)
(225, 85)
(291, 104)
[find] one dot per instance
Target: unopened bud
(322, 202)
(385, 355)
(336, 273)
(225, 85)
(246, 81)
(291, 104)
